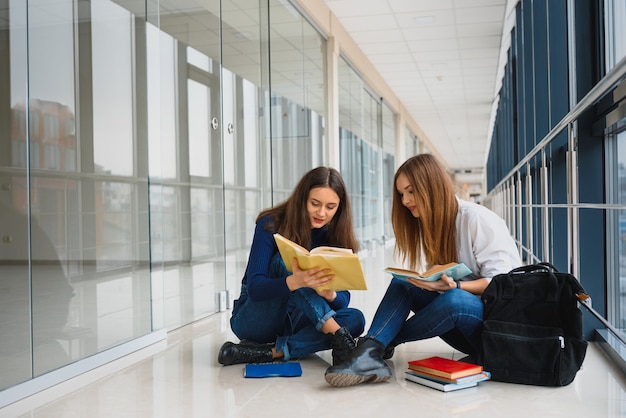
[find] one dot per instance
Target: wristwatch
(458, 284)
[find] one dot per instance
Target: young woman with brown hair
(281, 314)
(432, 227)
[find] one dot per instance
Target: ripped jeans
(294, 323)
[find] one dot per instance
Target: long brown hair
(432, 236)
(291, 218)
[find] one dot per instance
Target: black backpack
(532, 327)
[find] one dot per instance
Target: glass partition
(616, 219)
(614, 32)
(135, 136)
(388, 168)
(297, 76)
(412, 145)
(74, 184)
(361, 154)
(15, 330)
(245, 95)
(186, 160)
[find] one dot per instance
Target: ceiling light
(242, 35)
(422, 20)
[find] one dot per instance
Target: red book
(450, 369)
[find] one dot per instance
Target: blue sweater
(260, 285)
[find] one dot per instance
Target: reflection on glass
(198, 59)
(615, 32)
(314, 69)
(204, 225)
(621, 221)
(162, 111)
(86, 232)
(298, 65)
(413, 144)
(199, 97)
(186, 186)
(112, 68)
(388, 168)
(15, 330)
(255, 157)
(114, 238)
(361, 152)
(230, 100)
(51, 79)
(245, 92)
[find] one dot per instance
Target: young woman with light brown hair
(432, 227)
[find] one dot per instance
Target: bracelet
(458, 284)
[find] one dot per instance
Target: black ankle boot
(364, 364)
(389, 352)
(231, 353)
(342, 344)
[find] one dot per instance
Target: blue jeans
(455, 316)
(294, 323)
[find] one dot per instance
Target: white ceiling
(441, 59)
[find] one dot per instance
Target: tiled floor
(183, 379)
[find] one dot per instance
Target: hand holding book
(344, 264)
(315, 278)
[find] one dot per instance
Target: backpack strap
(508, 290)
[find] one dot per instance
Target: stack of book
(445, 374)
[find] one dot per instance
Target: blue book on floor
(282, 369)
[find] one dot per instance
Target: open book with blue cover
(453, 270)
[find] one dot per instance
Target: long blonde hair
(432, 236)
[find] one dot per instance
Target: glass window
(298, 67)
(388, 166)
(88, 233)
(617, 222)
(15, 340)
(245, 110)
(361, 151)
(186, 158)
(113, 113)
(412, 144)
(614, 32)
(199, 97)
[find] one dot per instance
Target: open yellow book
(342, 261)
(453, 270)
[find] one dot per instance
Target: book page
(331, 250)
(285, 243)
(453, 270)
(437, 269)
(345, 265)
(403, 272)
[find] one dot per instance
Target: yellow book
(345, 265)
